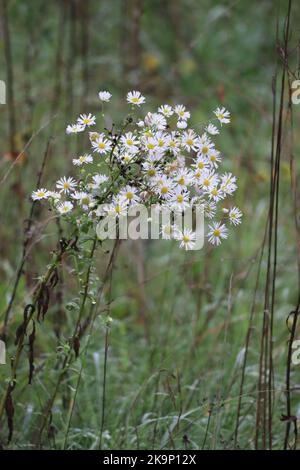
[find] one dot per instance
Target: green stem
(68, 356)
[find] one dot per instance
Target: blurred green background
(179, 319)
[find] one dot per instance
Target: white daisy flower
(187, 238)
(150, 144)
(181, 112)
(65, 185)
(104, 96)
(101, 145)
(173, 143)
(65, 207)
(235, 216)
(117, 208)
(155, 155)
(209, 179)
(40, 194)
(163, 187)
(86, 120)
(150, 169)
(189, 140)
(212, 130)
(228, 183)
(74, 128)
(126, 158)
(129, 195)
(98, 180)
(83, 159)
(214, 157)
(94, 136)
(216, 194)
(210, 209)
(166, 110)
(181, 124)
(222, 115)
(84, 199)
(197, 175)
(167, 232)
(183, 177)
(161, 139)
(179, 199)
(130, 142)
(156, 120)
(201, 163)
(204, 147)
(217, 232)
(135, 98)
(148, 133)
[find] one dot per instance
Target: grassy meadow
(176, 350)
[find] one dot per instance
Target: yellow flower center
(206, 182)
(204, 149)
(41, 194)
(180, 198)
(101, 145)
(66, 185)
(200, 165)
(150, 146)
(181, 180)
(151, 172)
(185, 238)
(135, 100)
(164, 190)
(217, 232)
(190, 142)
(129, 195)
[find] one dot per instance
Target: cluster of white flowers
(159, 160)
